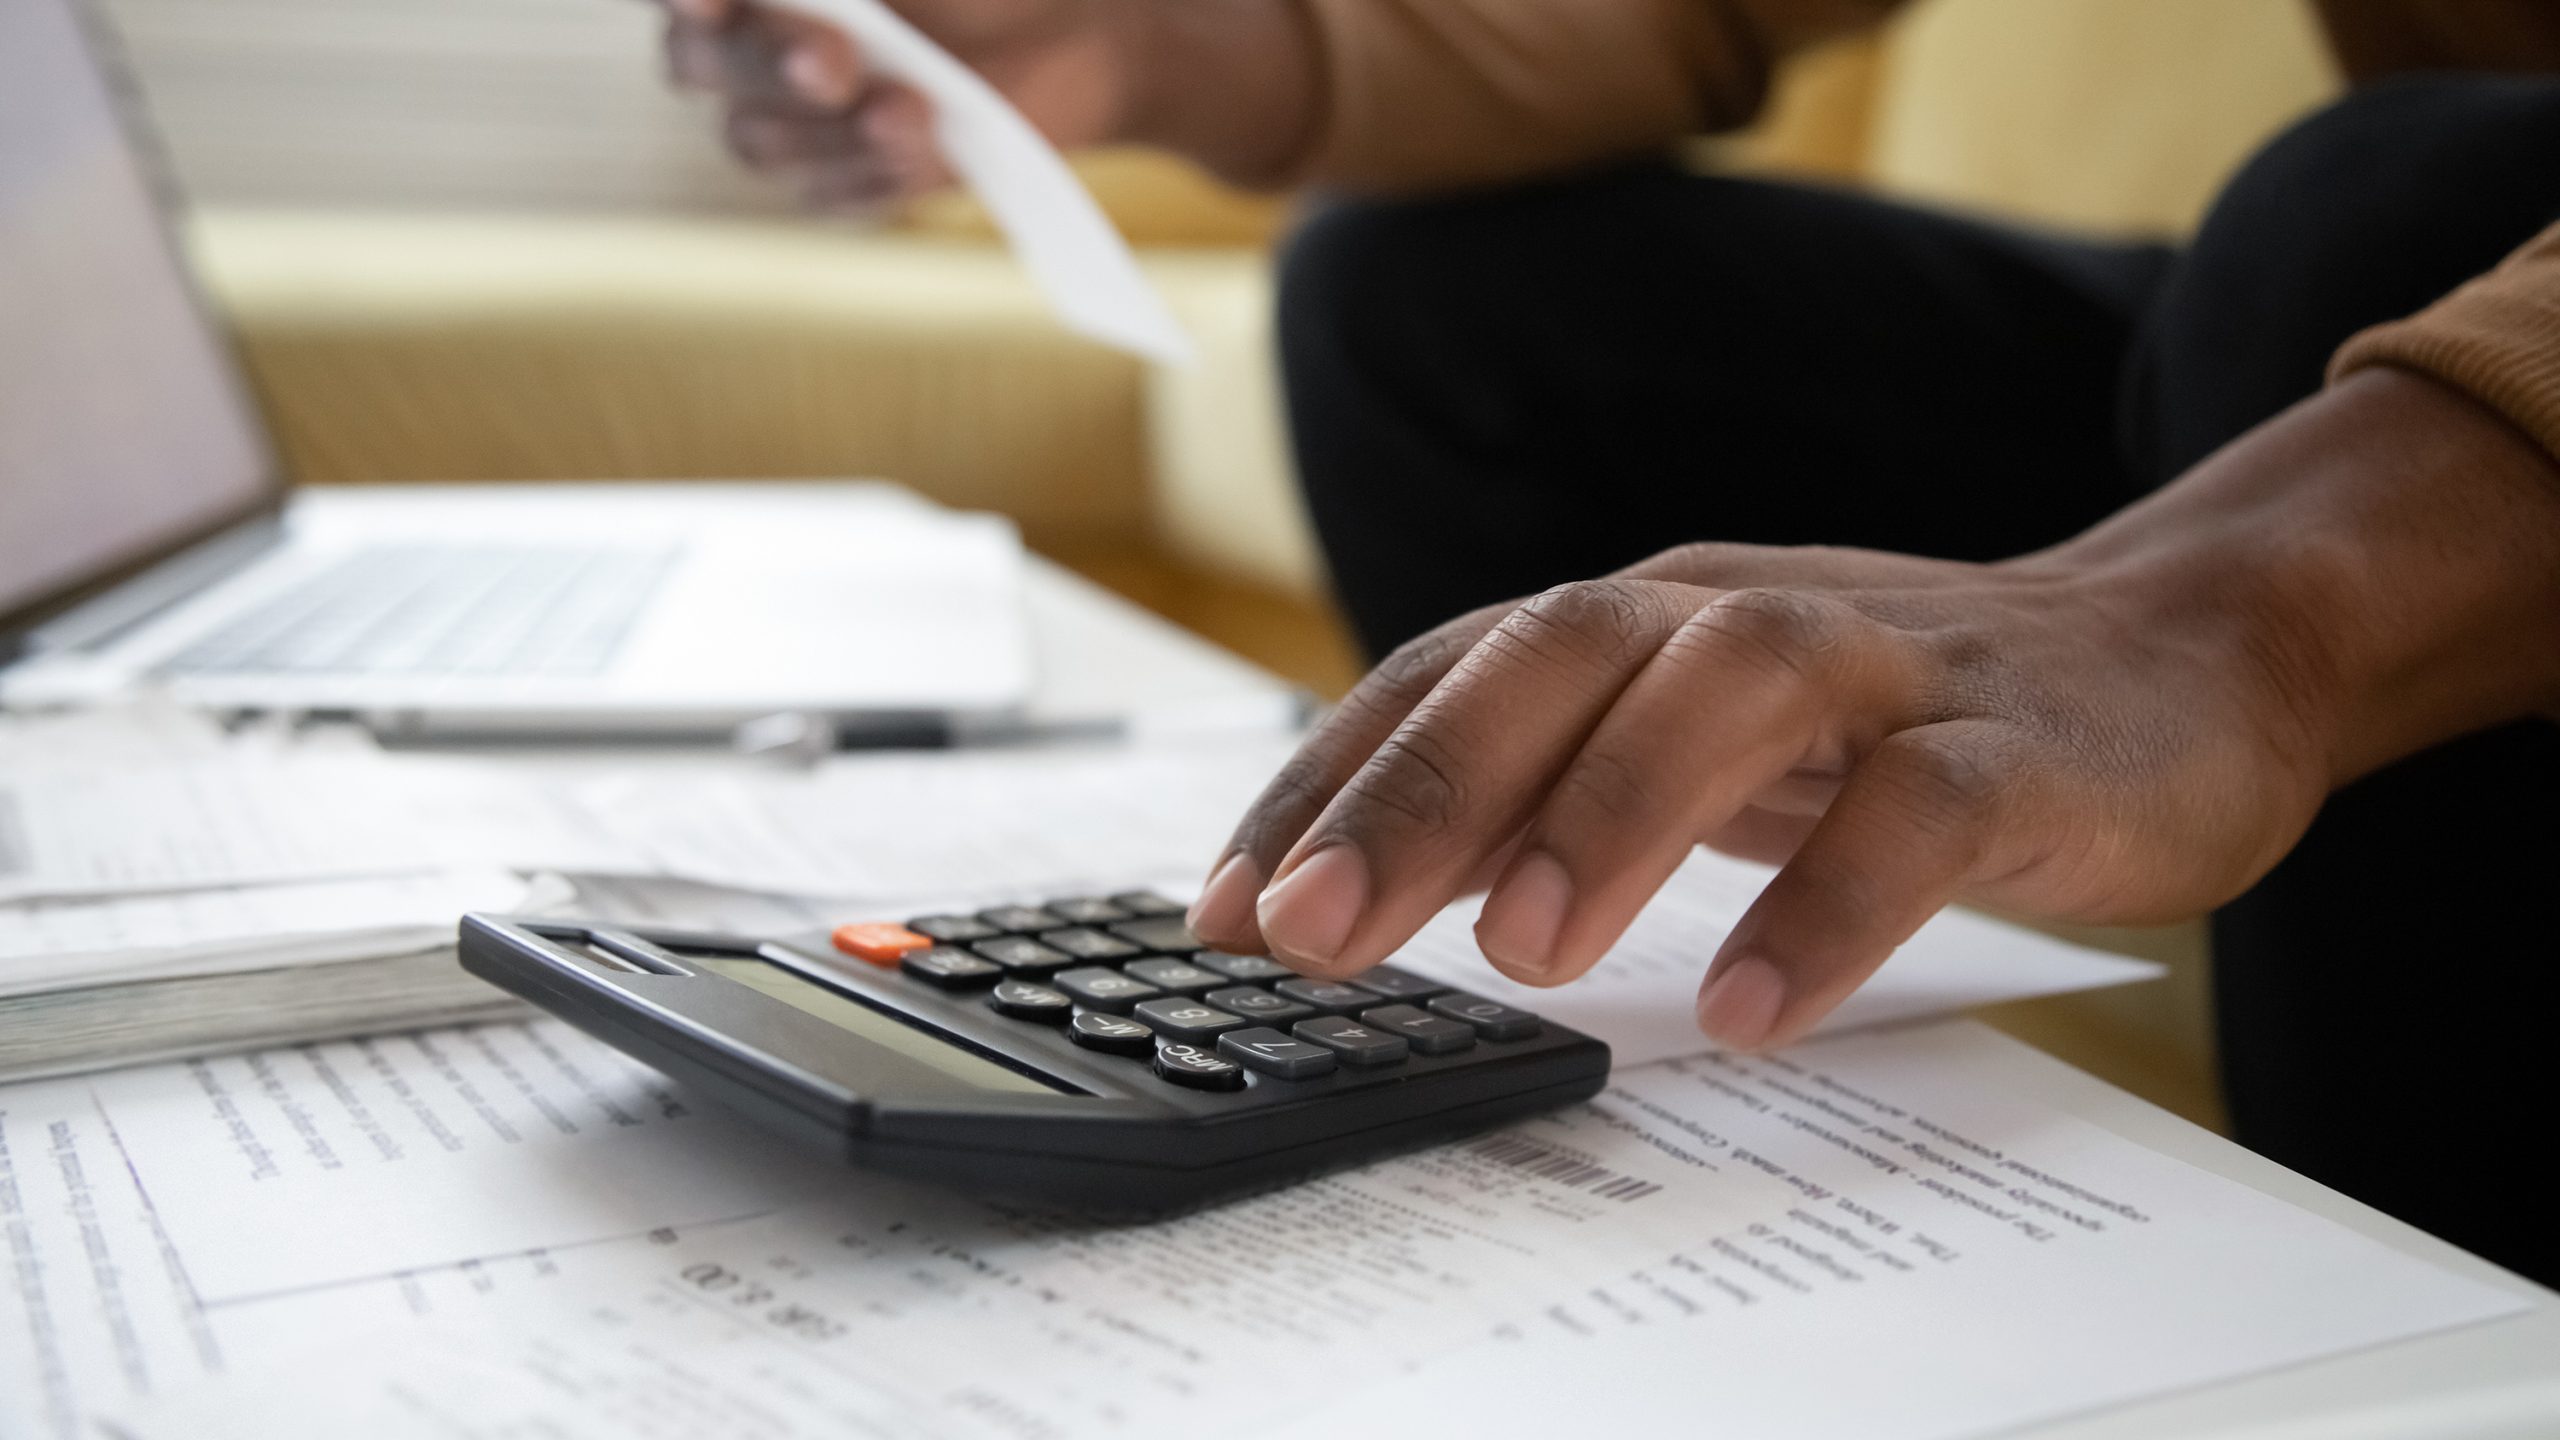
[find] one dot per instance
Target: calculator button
(1146, 902)
(1491, 1018)
(1020, 919)
(1164, 934)
(1395, 984)
(1087, 910)
(1098, 989)
(1089, 944)
(952, 968)
(1187, 1064)
(1112, 1034)
(1428, 1034)
(1030, 1000)
(1186, 1019)
(1356, 1043)
(1243, 967)
(1326, 996)
(1023, 955)
(879, 944)
(1261, 1005)
(1273, 1053)
(1179, 976)
(953, 929)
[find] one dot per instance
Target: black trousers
(1493, 393)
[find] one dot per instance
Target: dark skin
(2129, 727)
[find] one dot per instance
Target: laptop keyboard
(501, 610)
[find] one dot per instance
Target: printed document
(1860, 1238)
(308, 1165)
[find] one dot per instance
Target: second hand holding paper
(1061, 236)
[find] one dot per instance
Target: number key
(1429, 1034)
(1491, 1018)
(1179, 976)
(1186, 1019)
(1098, 989)
(1327, 996)
(1356, 1043)
(1259, 1004)
(1276, 1054)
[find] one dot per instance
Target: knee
(2378, 204)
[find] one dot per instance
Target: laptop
(149, 543)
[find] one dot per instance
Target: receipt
(1060, 234)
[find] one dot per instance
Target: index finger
(1224, 914)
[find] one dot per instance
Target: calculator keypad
(1127, 977)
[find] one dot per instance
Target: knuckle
(1412, 668)
(1699, 561)
(1796, 633)
(1580, 622)
(1951, 786)
(1284, 807)
(1417, 778)
(1608, 786)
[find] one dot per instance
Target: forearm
(2386, 555)
(1427, 94)
(1237, 85)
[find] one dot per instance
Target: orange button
(878, 943)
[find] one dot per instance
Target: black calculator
(1085, 1054)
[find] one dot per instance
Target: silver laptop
(148, 542)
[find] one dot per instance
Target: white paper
(313, 1165)
(1061, 236)
(1033, 822)
(248, 815)
(1859, 1239)
(97, 1310)
(1642, 996)
(55, 944)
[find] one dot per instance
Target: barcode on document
(1564, 1167)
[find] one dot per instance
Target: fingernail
(1225, 906)
(811, 75)
(1523, 915)
(1740, 1007)
(1309, 914)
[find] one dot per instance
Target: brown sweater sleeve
(2497, 338)
(1434, 93)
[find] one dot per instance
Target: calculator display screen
(886, 1031)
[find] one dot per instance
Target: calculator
(1086, 1054)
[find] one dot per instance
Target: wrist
(2379, 568)
(1236, 85)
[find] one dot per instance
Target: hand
(1233, 83)
(2131, 727)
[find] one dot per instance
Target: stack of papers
(512, 1230)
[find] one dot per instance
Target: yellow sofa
(447, 345)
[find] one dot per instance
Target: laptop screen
(124, 429)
